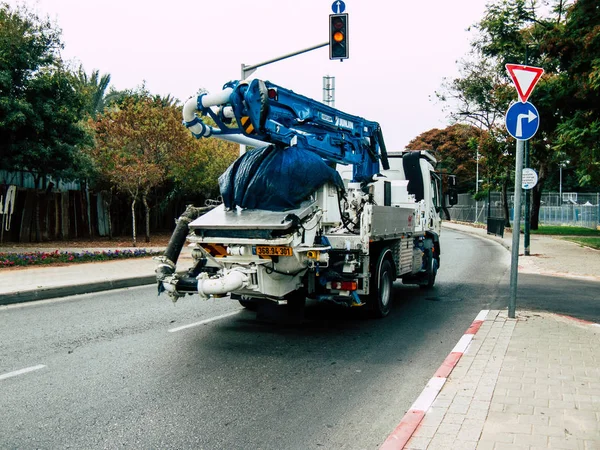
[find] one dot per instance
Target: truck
(317, 210)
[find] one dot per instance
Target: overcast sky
(400, 51)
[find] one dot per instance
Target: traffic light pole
(249, 70)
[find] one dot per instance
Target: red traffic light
(338, 36)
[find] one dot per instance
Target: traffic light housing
(338, 36)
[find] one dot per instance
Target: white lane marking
(482, 314)
(463, 343)
(204, 322)
(425, 400)
(21, 372)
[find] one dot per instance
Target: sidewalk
(45, 282)
(527, 383)
(532, 382)
(548, 255)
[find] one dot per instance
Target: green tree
(576, 47)
(93, 87)
(40, 110)
(455, 148)
(513, 31)
(198, 173)
(479, 98)
(137, 143)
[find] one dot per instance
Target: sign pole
(522, 122)
(514, 261)
(527, 218)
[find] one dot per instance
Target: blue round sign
(522, 120)
(338, 7)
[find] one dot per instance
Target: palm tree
(94, 88)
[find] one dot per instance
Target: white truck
(318, 210)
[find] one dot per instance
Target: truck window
(435, 183)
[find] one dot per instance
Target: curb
(64, 291)
(411, 420)
(578, 321)
(489, 237)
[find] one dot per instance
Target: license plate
(264, 250)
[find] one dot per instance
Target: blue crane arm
(266, 112)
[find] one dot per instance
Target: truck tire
(432, 266)
(248, 303)
(382, 284)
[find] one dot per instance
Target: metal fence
(576, 209)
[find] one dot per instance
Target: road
(117, 369)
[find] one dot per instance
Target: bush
(40, 258)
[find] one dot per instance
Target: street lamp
(561, 165)
(476, 183)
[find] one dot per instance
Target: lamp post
(476, 185)
(560, 167)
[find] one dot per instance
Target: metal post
(329, 90)
(527, 205)
(489, 205)
(476, 184)
(527, 191)
(248, 70)
(560, 185)
(514, 261)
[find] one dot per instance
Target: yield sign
(525, 79)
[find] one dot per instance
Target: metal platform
(245, 219)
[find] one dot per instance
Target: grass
(566, 231)
(56, 257)
(593, 242)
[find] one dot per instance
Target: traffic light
(338, 36)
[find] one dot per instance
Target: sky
(400, 51)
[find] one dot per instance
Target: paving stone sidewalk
(532, 382)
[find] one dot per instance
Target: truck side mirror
(452, 197)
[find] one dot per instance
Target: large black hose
(173, 250)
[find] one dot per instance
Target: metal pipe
(218, 98)
(229, 282)
(248, 70)
(200, 130)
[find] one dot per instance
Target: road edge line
(205, 321)
(16, 373)
(413, 417)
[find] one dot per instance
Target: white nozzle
(229, 282)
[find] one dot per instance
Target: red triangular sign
(525, 78)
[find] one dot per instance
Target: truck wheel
(382, 282)
(296, 301)
(432, 267)
(248, 303)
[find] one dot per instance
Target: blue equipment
(269, 114)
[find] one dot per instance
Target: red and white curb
(411, 420)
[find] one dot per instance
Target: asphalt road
(116, 369)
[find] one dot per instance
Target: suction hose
(169, 259)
